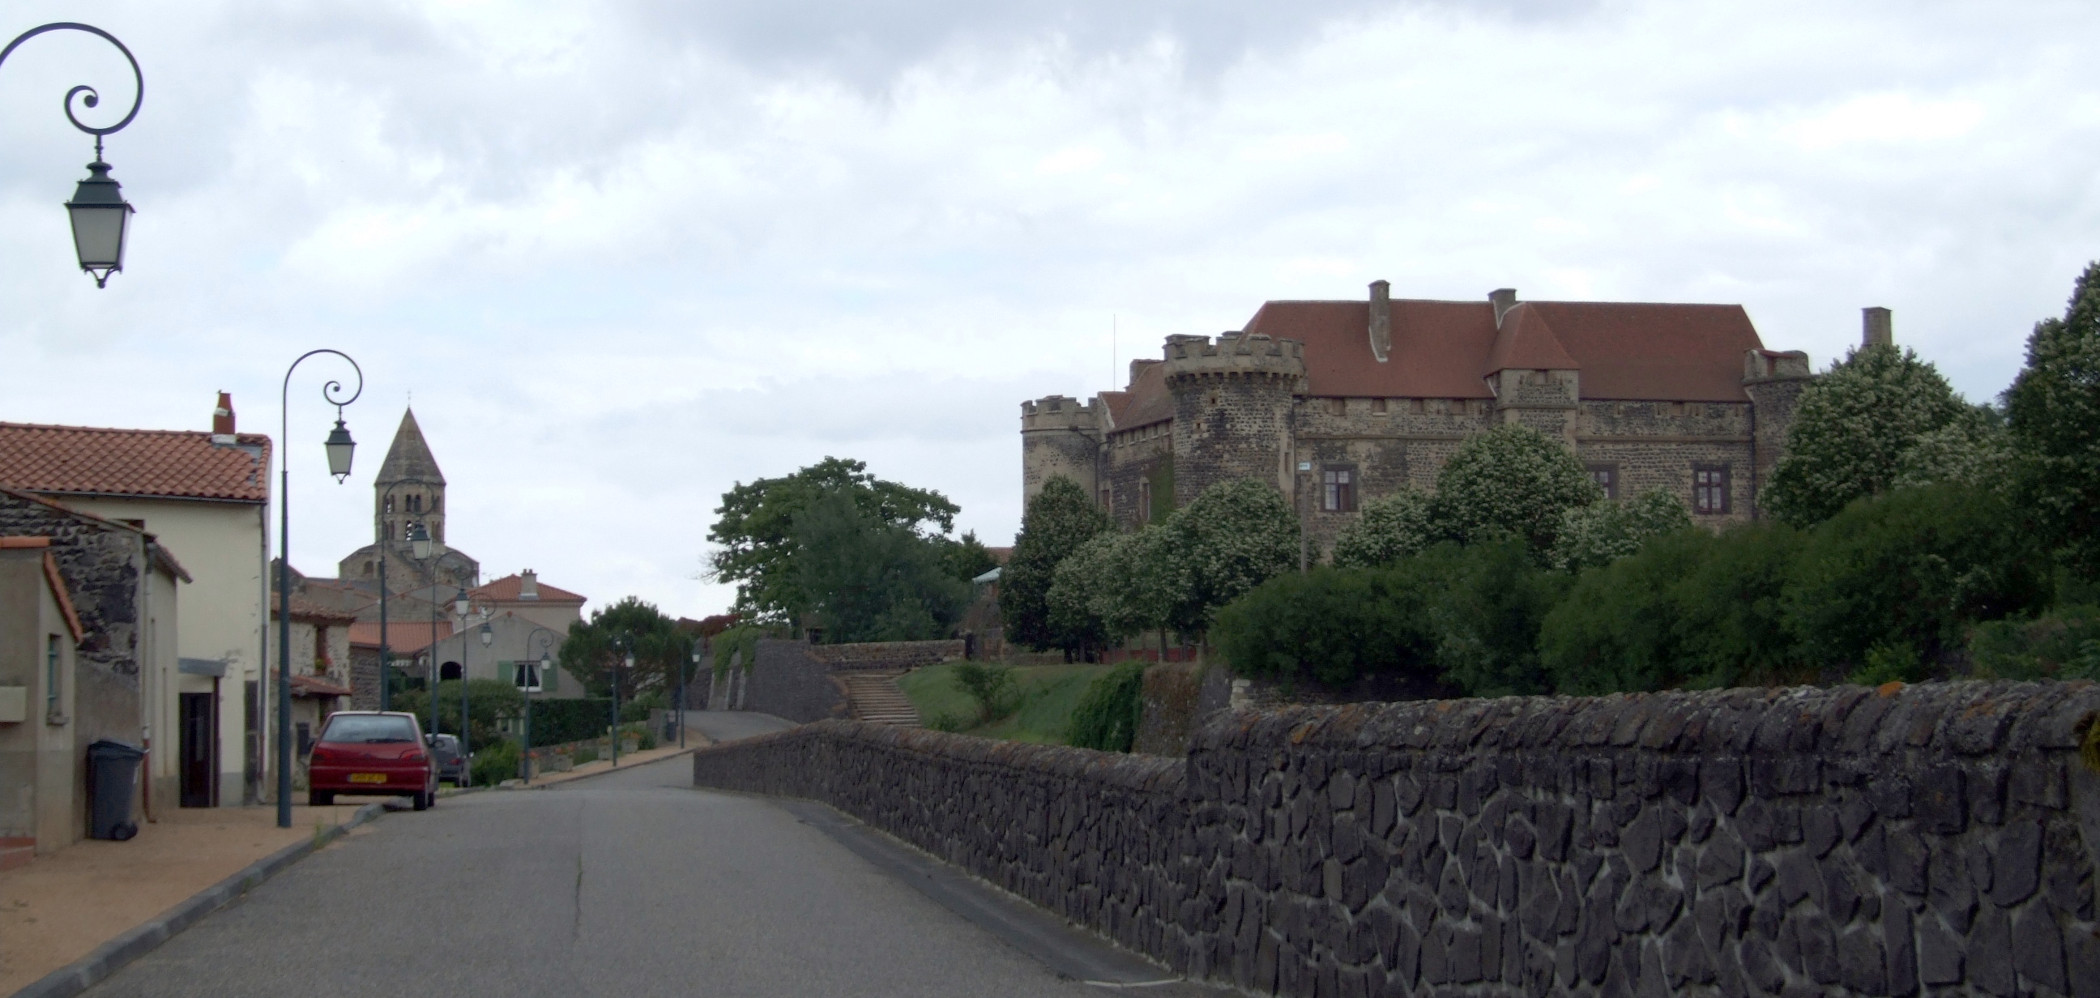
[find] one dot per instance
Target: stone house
(319, 659)
(40, 635)
(115, 679)
(205, 498)
(1340, 402)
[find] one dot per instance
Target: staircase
(877, 700)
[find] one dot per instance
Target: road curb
(112, 956)
(688, 750)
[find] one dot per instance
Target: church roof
(409, 457)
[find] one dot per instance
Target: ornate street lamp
(101, 219)
(545, 637)
(339, 452)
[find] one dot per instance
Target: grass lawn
(1048, 695)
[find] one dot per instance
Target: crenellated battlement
(1235, 354)
(1774, 365)
(1060, 412)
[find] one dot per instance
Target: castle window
(389, 504)
(1106, 505)
(1339, 407)
(415, 503)
(1607, 478)
(1415, 405)
(1338, 490)
(1710, 489)
(1378, 406)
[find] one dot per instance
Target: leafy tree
(1511, 479)
(992, 686)
(2063, 644)
(1330, 625)
(1232, 537)
(1605, 531)
(1058, 520)
(1389, 528)
(1973, 449)
(595, 650)
(1733, 624)
(488, 702)
(1115, 586)
(1082, 593)
(865, 579)
(1853, 429)
(755, 529)
(966, 559)
(1109, 711)
(1489, 601)
(1915, 568)
(2054, 411)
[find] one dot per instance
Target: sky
(623, 255)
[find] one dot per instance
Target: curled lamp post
(101, 219)
(546, 639)
(340, 448)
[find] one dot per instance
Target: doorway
(200, 749)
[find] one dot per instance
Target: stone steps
(877, 699)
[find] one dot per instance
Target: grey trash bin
(113, 776)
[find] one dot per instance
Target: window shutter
(508, 672)
(550, 677)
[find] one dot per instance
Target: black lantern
(340, 448)
(101, 224)
(487, 636)
(461, 605)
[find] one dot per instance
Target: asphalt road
(626, 885)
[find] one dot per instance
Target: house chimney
(528, 584)
(222, 416)
(1876, 330)
(1503, 299)
(1381, 320)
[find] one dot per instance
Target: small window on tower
(1710, 489)
(1339, 407)
(1607, 478)
(1338, 490)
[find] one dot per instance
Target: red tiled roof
(1526, 342)
(1148, 400)
(506, 589)
(307, 611)
(403, 635)
(1441, 349)
(317, 686)
(174, 463)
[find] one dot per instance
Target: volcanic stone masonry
(1937, 839)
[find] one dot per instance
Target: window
(389, 505)
(1607, 478)
(1338, 490)
(415, 503)
(1145, 501)
(1339, 407)
(53, 678)
(320, 650)
(1106, 505)
(529, 676)
(1710, 489)
(448, 672)
(1378, 406)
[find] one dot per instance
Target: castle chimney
(1876, 330)
(1381, 320)
(528, 584)
(1503, 299)
(222, 416)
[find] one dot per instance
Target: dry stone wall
(1936, 840)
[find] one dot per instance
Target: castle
(1341, 402)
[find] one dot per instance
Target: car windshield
(369, 728)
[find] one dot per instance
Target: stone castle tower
(410, 490)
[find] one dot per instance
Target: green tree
(1854, 428)
(1605, 531)
(1058, 520)
(1330, 625)
(1232, 537)
(754, 529)
(595, 650)
(866, 579)
(1914, 569)
(1110, 710)
(1489, 601)
(1389, 528)
(1511, 479)
(489, 701)
(966, 558)
(2053, 408)
(1115, 586)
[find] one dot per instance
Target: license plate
(368, 777)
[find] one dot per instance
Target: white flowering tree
(1389, 528)
(1230, 538)
(2054, 409)
(1510, 480)
(1604, 531)
(1856, 428)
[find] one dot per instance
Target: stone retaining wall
(886, 654)
(1933, 839)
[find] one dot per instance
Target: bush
(992, 686)
(496, 763)
(1330, 625)
(2064, 644)
(1915, 567)
(489, 701)
(1605, 531)
(644, 739)
(1107, 716)
(1487, 603)
(1390, 528)
(558, 721)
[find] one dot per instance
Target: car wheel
(422, 802)
(320, 798)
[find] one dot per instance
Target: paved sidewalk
(693, 740)
(61, 907)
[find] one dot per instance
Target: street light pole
(340, 449)
(546, 638)
(627, 643)
(101, 218)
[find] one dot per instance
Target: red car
(366, 752)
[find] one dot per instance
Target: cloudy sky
(627, 253)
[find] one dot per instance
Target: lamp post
(683, 685)
(626, 644)
(340, 449)
(421, 546)
(101, 219)
(546, 639)
(462, 606)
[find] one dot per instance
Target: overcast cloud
(627, 254)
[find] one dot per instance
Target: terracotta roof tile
(404, 635)
(506, 589)
(307, 611)
(317, 686)
(175, 463)
(1526, 342)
